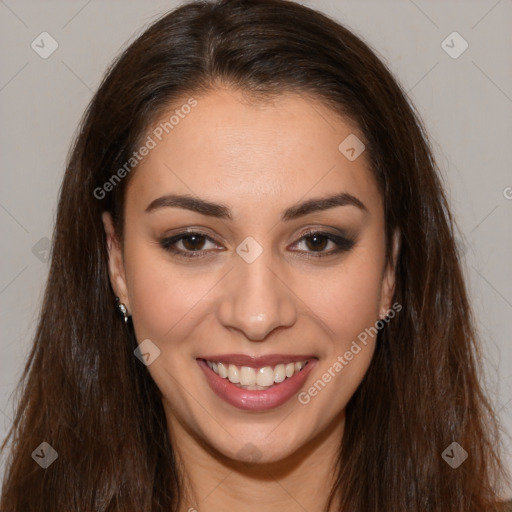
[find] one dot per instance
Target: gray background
(466, 103)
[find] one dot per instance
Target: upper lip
(257, 361)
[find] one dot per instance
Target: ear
(389, 277)
(115, 260)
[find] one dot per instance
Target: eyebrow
(221, 211)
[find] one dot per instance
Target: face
(253, 270)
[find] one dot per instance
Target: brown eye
(316, 243)
(193, 244)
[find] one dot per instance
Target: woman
(255, 298)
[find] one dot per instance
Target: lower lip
(256, 400)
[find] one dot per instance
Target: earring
(384, 317)
(121, 309)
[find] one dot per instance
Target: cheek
(349, 306)
(168, 302)
(165, 300)
(159, 297)
(348, 300)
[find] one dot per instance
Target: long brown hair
(84, 392)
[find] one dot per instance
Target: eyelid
(168, 242)
(327, 231)
(343, 242)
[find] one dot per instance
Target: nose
(257, 298)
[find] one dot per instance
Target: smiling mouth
(256, 384)
(247, 377)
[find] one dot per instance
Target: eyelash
(343, 244)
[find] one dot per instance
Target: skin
(257, 158)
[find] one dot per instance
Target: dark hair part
(85, 393)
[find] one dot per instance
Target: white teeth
(222, 370)
(265, 376)
(279, 373)
(256, 378)
(233, 374)
(247, 376)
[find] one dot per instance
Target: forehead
(250, 152)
